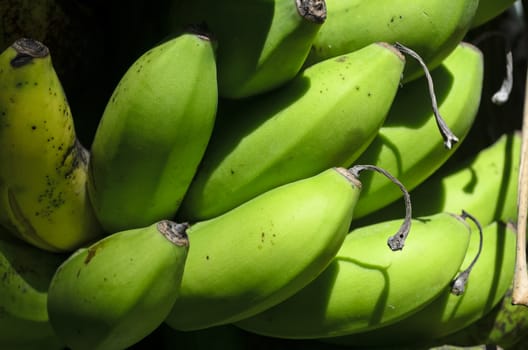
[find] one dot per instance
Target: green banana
(487, 284)
(366, 286)
(506, 325)
(405, 144)
(353, 24)
(265, 250)
(115, 292)
(485, 185)
(26, 272)
(153, 133)
(325, 117)
(488, 10)
(262, 43)
(43, 197)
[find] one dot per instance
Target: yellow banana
(488, 282)
(325, 117)
(265, 250)
(43, 197)
(115, 292)
(408, 145)
(262, 43)
(367, 286)
(153, 133)
(433, 28)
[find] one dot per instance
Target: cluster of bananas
(221, 194)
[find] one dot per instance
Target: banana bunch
(229, 197)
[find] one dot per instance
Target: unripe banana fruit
(489, 9)
(433, 28)
(261, 252)
(115, 292)
(487, 283)
(485, 185)
(153, 133)
(43, 197)
(367, 286)
(262, 43)
(323, 118)
(408, 144)
(26, 272)
(265, 250)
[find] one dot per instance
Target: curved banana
(325, 117)
(43, 197)
(113, 293)
(506, 325)
(153, 133)
(485, 185)
(488, 10)
(367, 286)
(408, 145)
(487, 284)
(26, 274)
(265, 250)
(262, 43)
(353, 24)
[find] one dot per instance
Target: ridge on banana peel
(488, 282)
(270, 140)
(352, 24)
(153, 133)
(115, 292)
(407, 144)
(367, 286)
(26, 274)
(485, 185)
(268, 248)
(43, 198)
(262, 43)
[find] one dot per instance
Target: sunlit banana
(485, 185)
(366, 286)
(265, 250)
(408, 144)
(262, 43)
(25, 275)
(115, 292)
(153, 133)
(433, 28)
(325, 117)
(43, 169)
(487, 284)
(488, 10)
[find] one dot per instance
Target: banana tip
(174, 232)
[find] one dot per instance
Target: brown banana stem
(520, 282)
